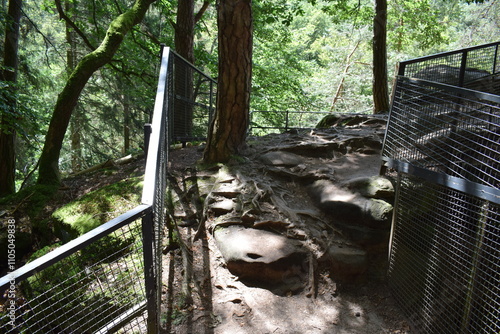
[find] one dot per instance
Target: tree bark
(380, 81)
(183, 84)
(68, 98)
(229, 127)
(75, 124)
(184, 30)
(8, 119)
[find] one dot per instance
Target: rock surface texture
(298, 215)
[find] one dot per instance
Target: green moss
(34, 198)
(100, 206)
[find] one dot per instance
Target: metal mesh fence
(444, 265)
(194, 96)
(456, 132)
(443, 146)
(475, 68)
(109, 279)
(97, 288)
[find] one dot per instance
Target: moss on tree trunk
(67, 99)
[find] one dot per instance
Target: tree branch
(202, 11)
(72, 24)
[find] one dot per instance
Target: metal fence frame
(461, 68)
(442, 146)
(288, 121)
(193, 97)
(158, 136)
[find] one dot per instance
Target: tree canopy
(309, 55)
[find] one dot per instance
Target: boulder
(280, 158)
(346, 263)
(261, 256)
(348, 207)
(372, 186)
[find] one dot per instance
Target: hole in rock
(253, 255)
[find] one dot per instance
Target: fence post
(147, 134)
(463, 67)
(149, 274)
(494, 69)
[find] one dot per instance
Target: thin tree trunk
(380, 81)
(340, 87)
(229, 127)
(7, 119)
(126, 124)
(75, 125)
(68, 98)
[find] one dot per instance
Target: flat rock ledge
(262, 257)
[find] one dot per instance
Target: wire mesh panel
(444, 264)
(194, 95)
(475, 68)
(98, 288)
(443, 144)
(456, 132)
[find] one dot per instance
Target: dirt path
(200, 294)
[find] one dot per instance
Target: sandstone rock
(229, 190)
(348, 207)
(373, 186)
(280, 158)
(346, 263)
(224, 206)
(261, 256)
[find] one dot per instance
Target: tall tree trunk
(184, 30)
(380, 81)
(183, 84)
(126, 124)
(75, 124)
(229, 127)
(7, 119)
(68, 98)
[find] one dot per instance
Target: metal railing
(442, 146)
(109, 278)
(264, 122)
(475, 68)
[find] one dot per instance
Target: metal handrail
(465, 56)
(74, 246)
(146, 211)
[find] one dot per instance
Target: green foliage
(301, 60)
(35, 198)
(99, 206)
(417, 22)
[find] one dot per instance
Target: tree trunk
(8, 119)
(229, 127)
(183, 84)
(380, 81)
(68, 98)
(126, 124)
(76, 120)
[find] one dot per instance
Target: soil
(200, 295)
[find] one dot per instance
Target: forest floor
(200, 294)
(207, 298)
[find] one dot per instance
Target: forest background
(307, 56)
